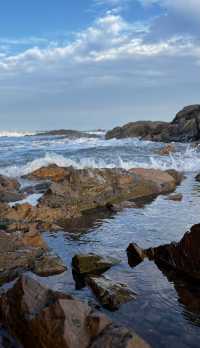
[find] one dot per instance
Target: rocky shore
(185, 127)
(35, 314)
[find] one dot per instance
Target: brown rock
(110, 294)
(40, 317)
(9, 190)
(167, 150)
(52, 172)
(176, 197)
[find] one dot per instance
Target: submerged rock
(85, 264)
(184, 128)
(183, 257)
(167, 150)
(40, 317)
(177, 197)
(110, 294)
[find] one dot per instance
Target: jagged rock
(21, 251)
(167, 150)
(109, 293)
(52, 172)
(137, 255)
(176, 197)
(40, 317)
(197, 177)
(84, 264)
(184, 128)
(183, 257)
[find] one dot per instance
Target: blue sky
(96, 63)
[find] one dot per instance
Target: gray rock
(84, 264)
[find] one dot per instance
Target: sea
(166, 311)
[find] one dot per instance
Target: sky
(87, 64)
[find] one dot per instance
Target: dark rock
(197, 177)
(136, 254)
(68, 133)
(109, 293)
(92, 264)
(183, 257)
(184, 128)
(40, 317)
(10, 190)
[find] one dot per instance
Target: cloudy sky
(88, 64)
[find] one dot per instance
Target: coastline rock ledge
(185, 127)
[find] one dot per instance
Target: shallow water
(167, 310)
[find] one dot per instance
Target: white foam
(15, 133)
(188, 161)
(31, 199)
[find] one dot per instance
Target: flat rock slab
(85, 264)
(109, 293)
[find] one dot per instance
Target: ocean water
(167, 309)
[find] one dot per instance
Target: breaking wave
(15, 134)
(188, 161)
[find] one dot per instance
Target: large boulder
(75, 192)
(40, 317)
(184, 128)
(109, 293)
(183, 257)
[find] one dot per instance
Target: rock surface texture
(184, 128)
(74, 192)
(183, 257)
(40, 317)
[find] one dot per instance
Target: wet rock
(109, 293)
(40, 317)
(21, 251)
(115, 337)
(167, 150)
(183, 257)
(185, 127)
(197, 177)
(176, 197)
(9, 190)
(37, 188)
(48, 264)
(68, 133)
(178, 176)
(137, 255)
(75, 192)
(92, 264)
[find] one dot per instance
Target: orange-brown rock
(52, 172)
(40, 317)
(167, 150)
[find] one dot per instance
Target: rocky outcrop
(68, 133)
(85, 264)
(40, 317)
(183, 257)
(74, 192)
(176, 197)
(20, 252)
(109, 293)
(9, 190)
(184, 128)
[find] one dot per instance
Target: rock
(197, 177)
(167, 150)
(176, 197)
(109, 293)
(9, 190)
(75, 192)
(115, 337)
(20, 252)
(68, 133)
(183, 257)
(137, 255)
(85, 264)
(40, 317)
(185, 127)
(178, 176)
(48, 264)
